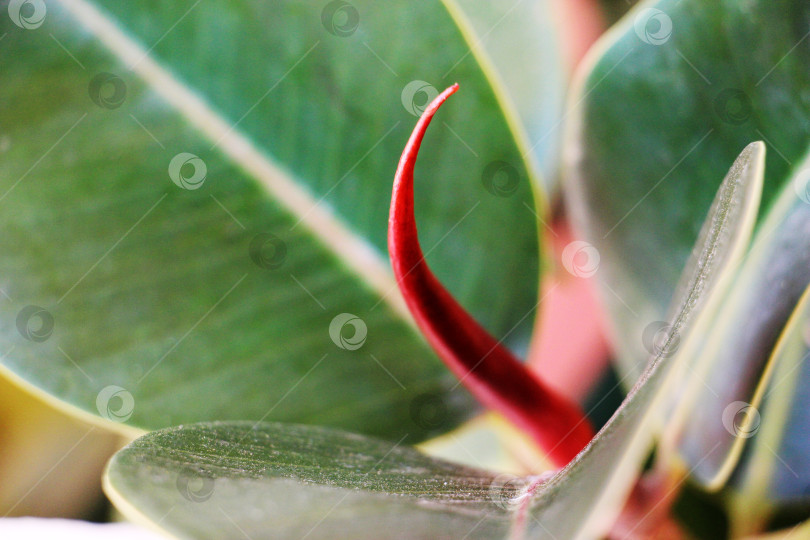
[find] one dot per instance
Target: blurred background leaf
(153, 296)
(519, 47)
(673, 91)
(771, 481)
(50, 463)
(666, 102)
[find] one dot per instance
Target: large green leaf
(283, 481)
(288, 481)
(669, 97)
(169, 288)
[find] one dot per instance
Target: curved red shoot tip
(488, 370)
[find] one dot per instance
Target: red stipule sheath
(488, 370)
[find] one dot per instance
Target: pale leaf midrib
(353, 251)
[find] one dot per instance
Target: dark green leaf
(193, 194)
(672, 95)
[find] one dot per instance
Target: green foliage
(359, 486)
(193, 206)
(196, 200)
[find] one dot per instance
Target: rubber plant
(351, 486)
(222, 232)
(699, 245)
